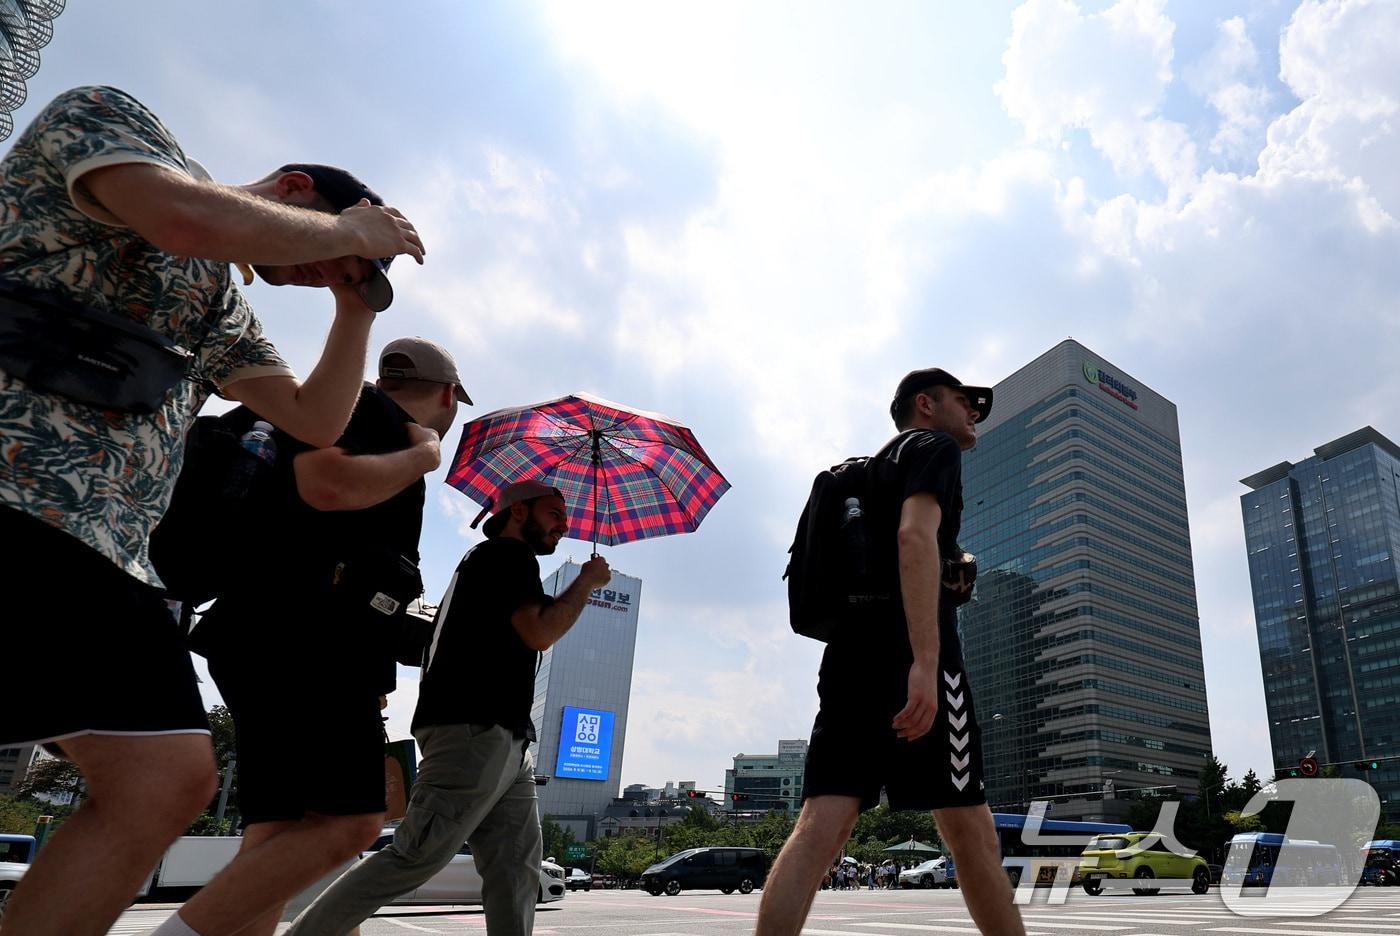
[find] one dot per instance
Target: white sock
(174, 926)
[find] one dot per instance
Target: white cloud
(1105, 73)
(1228, 77)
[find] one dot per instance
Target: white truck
(188, 865)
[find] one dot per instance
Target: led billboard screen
(585, 744)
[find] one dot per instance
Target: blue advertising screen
(585, 744)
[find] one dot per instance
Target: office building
(767, 781)
(15, 763)
(1082, 641)
(580, 708)
(1322, 537)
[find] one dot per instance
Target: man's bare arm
(333, 479)
(920, 574)
(191, 218)
(317, 410)
(540, 627)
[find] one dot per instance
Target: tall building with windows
(580, 709)
(1322, 537)
(767, 781)
(1082, 640)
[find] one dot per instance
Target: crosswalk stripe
(1041, 921)
(1273, 931)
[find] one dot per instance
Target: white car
(10, 873)
(458, 883)
(932, 873)
(578, 879)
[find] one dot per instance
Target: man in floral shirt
(99, 205)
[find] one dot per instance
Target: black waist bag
(88, 355)
(376, 585)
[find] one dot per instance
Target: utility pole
(223, 791)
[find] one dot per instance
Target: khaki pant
(476, 784)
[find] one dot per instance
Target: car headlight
(554, 872)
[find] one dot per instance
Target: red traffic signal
(693, 794)
(1308, 766)
(738, 797)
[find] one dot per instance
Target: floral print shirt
(104, 476)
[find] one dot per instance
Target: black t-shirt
(286, 607)
(377, 426)
(479, 670)
(918, 461)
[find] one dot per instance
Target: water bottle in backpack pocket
(833, 574)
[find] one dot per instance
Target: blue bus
(1040, 861)
(1308, 862)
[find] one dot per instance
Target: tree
(221, 734)
(1242, 823)
(52, 778)
(17, 816)
(557, 840)
(625, 856)
(206, 824)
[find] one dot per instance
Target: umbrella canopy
(625, 474)
(912, 847)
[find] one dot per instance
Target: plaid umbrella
(626, 475)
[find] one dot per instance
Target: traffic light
(1367, 765)
(693, 794)
(738, 797)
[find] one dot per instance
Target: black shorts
(87, 648)
(307, 741)
(854, 751)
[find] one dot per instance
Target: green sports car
(1140, 856)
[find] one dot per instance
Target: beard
(535, 536)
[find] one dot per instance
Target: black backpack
(209, 532)
(835, 571)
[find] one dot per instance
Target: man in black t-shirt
(303, 649)
(896, 710)
(476, 782)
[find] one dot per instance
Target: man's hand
(916, 718)
(380, 231)
(595, 573)
(426, 439)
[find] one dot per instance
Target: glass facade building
(1322, 536)
(1082, 641)
(582, 688)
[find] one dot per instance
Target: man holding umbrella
(476, 782)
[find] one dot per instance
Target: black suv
(720, 868)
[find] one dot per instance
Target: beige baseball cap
(509, 495)
(429, 361)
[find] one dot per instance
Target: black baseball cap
(342, 190)
(920, 380)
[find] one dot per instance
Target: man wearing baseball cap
(895, 708)
(108, 218)
(476, 782)
(304, 647)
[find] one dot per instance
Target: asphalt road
(1369, 912)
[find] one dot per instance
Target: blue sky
(756, 217)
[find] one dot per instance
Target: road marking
(412, 926)
(737, 913)
(1275, 931)
(1332, 923)
(1040, 921)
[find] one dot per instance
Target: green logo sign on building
(1110, 384)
